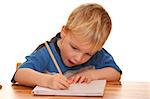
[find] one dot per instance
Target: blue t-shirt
(41, 61)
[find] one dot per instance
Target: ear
(63, 32)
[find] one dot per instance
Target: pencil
(53, 59)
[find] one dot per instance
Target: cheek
(85, 59)
(66, 52)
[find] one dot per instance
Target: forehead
(82, 45)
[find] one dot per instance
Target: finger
(64, 78)
(89, 80)
(70, 80)
(82, 79)
(61, 86)
(56, 86)
(76, 79)
(64, 83)
(57, 80)
(86, 80)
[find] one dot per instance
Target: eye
(88, 54)
(73, 47)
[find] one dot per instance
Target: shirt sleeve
(37, 61)
(104, 59)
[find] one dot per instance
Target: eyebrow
(79, 48)
(74, 45)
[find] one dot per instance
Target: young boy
(78, 51)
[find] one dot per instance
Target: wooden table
(125, 90)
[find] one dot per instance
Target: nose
(78, 58)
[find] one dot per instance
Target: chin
(69, 65)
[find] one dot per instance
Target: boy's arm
(29, 77)
(107, 73)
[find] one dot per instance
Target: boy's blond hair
(91, 23)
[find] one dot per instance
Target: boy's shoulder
(100, 57)
(103, 52)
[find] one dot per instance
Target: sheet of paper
(95, 88)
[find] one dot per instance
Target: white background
(24, 24)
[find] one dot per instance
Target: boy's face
(73, 51)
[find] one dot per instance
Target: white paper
(95, 88)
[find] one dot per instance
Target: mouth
(71, 63)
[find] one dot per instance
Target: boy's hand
(58, 81)
(82, 77)
(78, 79)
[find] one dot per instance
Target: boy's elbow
(18, 75)
(22, 75)
(109, 74)
(113, 75)
(116, 76)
